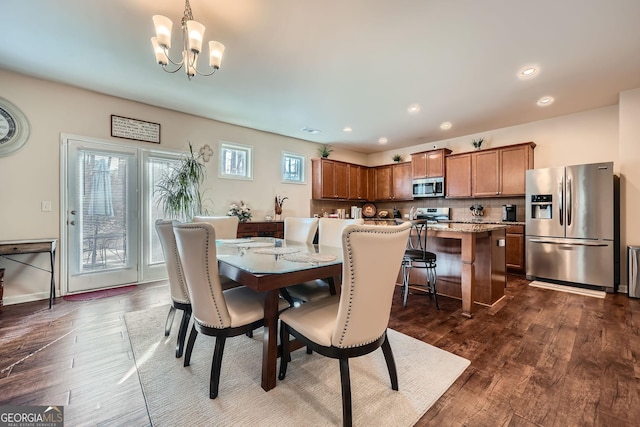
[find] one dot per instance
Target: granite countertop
(484, 221)
(458, 227)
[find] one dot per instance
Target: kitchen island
(471, 262)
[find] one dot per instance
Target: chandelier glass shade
(192, 36)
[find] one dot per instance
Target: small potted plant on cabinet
(324, 151)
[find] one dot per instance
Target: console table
(35, 246)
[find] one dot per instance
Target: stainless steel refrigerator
(572, 225)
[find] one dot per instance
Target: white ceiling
(328, 64)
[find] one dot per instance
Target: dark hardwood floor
(538, 358)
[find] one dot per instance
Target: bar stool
(416, 256)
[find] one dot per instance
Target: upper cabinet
(330, 179)
(358, 182)
(429, 164)
(393, 182)
(458, 179)
(494, 172)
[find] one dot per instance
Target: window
(293, 168)
(236, 161)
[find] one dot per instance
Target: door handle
(560, 199)
(569, 200)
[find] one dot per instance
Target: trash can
(633, 276)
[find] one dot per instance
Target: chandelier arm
(164, 67)
(205, 74)
(166, 54)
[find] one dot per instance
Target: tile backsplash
(492, 207)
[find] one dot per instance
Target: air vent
(310, 130)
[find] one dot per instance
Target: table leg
(468, 273)
(52, 291)
(270, 340)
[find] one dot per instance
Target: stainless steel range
(432, 215)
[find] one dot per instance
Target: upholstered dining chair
(226, 226)
(300, 229)
(177, 286)
(216, 313)
(417, 256)
(329, 234)
(355, 322)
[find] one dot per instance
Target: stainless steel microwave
(428, 187)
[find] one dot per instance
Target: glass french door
(102, 216)
(109, 213)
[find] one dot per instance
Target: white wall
(32, 175)
(629, 172)
(586, 137)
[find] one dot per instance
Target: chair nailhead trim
(352, 279)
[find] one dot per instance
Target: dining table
(268, 265)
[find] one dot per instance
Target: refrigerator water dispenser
(541, 206)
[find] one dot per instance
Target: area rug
(310, 394)
(102, 293)
(569, 289)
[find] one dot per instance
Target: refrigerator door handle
(634, 271)
(569, 200)
(553, 242)
(560, 200)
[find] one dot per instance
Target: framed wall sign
(124, 127)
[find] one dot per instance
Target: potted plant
(178, 190)
(477, 143)
(324, 151)
(397, 158)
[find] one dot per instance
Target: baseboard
(19, 299)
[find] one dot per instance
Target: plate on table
(369, 210)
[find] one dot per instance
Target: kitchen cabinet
(261, 229)
(458, 179)
(330, 179)
(358, 182)
(429, 164)
(497, 172)
(501, 171)
(515, 249)
(393, 182)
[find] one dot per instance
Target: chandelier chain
(188, 15)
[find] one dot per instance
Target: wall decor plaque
(124, 127)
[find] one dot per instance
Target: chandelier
(192, 35)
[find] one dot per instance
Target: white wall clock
(14, 128)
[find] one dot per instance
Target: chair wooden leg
(182, 334)
(216, 365)
(192, 339)
(169, 322)
(346, 393)
(391, 363)
(285, 357)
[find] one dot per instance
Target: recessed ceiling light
(310, 130)
(445, 125)
(545, 100)
(413, 109)
(383, 140)
(346, 129)
(528, 72)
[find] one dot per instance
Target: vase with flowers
(242, 211)
(278, 206)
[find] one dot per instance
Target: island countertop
(456, 226)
